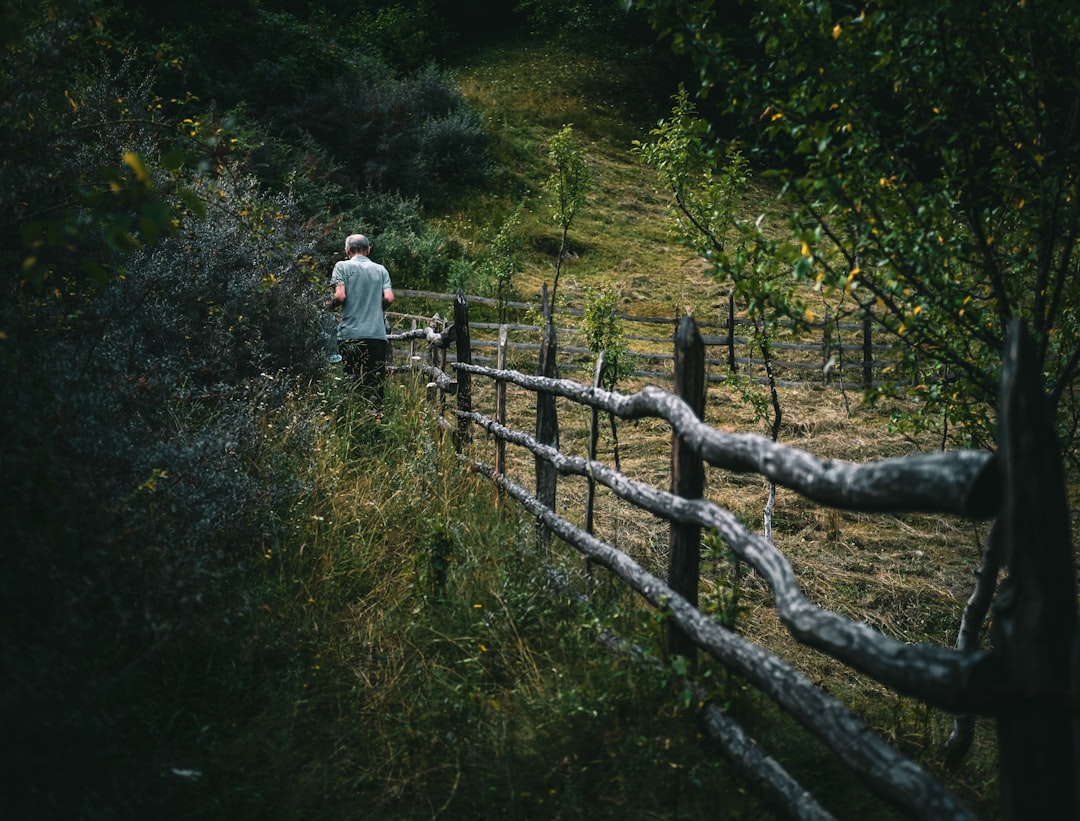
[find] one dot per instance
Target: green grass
(407, 655)
(622, 235)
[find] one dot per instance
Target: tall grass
(409, 652)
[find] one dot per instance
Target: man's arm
(387, 298)
(337, 298)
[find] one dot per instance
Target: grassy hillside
(528, 92)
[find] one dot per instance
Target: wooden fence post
(687, 480)
(547, 422)
(731, 331)
(594, 439)
(1035, 613)
(500, 411)
(867, 352)
(464, 355)
(437, 359)
(826, 349)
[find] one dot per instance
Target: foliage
(568, 186)
(602, 327)
(158, 316)
(725, 595)
(503, 260)
(934, 160)
(154, 374)
(78, 116)
(417, 254)
(608, 25)
(405, 35)
(707, 188)
(303, 79)
(460, 276)
(706, 194)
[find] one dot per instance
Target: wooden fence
(1025, 681)
(835, 351)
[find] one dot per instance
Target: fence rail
(1024, 681)
(830, 358)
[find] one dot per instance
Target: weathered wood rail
(1025, 681)
(826, 360)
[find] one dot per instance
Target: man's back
(362, 313)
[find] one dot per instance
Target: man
(362, 288)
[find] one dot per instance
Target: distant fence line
(833, 362)
(1023, 681)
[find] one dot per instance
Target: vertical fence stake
(1034, 624)
(687, 480)
(731, 331)
(437, 359)
(464, 355)
(867, 352)
(826, 346)
(594, 439)
(547, 423)
(500, 411)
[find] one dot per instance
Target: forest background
(176, 639)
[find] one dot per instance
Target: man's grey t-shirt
(362, 313)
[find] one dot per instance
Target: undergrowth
(411, 653)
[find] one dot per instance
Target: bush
(158, 321)
(306, 79)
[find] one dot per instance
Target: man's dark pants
(365, 361)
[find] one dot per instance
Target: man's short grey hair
(357, 242)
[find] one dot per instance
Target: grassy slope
(527, 93)
(908, 576)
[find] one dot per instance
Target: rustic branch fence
(825, 360)
(1025, 681)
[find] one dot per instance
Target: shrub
(159, 319)
(410, 133)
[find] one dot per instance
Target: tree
(503, 260)
(933, 157)
(707, 187)
(568, 186)
(602, 326)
